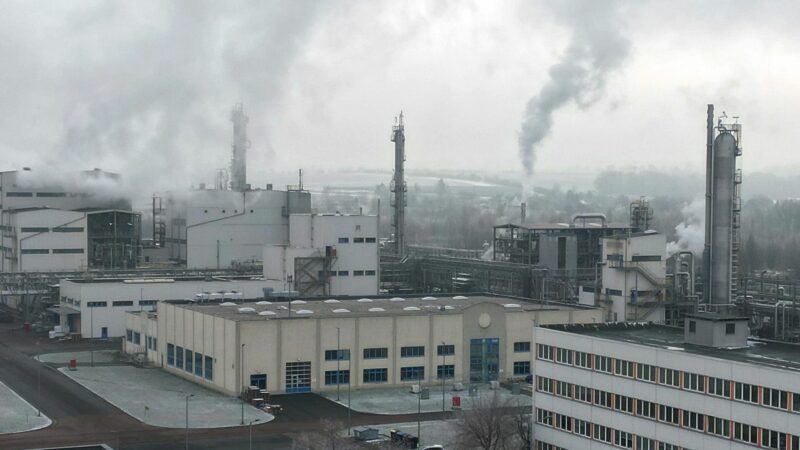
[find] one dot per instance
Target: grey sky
(145, 88)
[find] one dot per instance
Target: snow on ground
(17, 415)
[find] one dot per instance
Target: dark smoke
(597, 47)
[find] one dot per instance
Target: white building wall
(625, 281)
(23, 243)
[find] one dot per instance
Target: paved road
(81, 417)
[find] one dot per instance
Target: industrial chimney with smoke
(240, 145)
(723, 208)
(398, 186)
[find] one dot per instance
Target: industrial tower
(723, 209)
(240, 146)
(398, 187)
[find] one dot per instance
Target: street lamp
(251, 431)
(38, 387)
(241, 379)
(419, 405)
(444, 375)
(349, 383)
(188, 396)
(338, 360)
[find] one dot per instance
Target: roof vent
(341, 310)
(227, 304)
(411, 308)
(512, 305)
(267, 313)
(428, 298)
(305, 311)
(397, 299)
(460, 297)
(263, 303)
(332, 300)
(247, 310)
(376, 310)
(364, 300)
(298, 302)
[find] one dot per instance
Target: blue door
(298, 376)
(484, 360)
(104, 332)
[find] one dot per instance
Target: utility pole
(241, 379)
(188, 396)
(251, 431)
(338, 360)
(419, 406)
(39, 387)
(444, 375)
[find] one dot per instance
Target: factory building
(634, 270)
(95, 308)
(311, 345)
(646, 386)
(327, 254)
(65, 226)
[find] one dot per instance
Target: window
(155, 343)
(692, 326)
(129, 335)
(51, 194)
(189, 361)
(96, 304)
(669, 377)
(775, 398)
(582, 359)
(334, 377)
(358, 240)
(179, 357)
(624, 368)
(19, 194)
(376, 353)
(720, 427)
(795, 441)
(564, 356)
(602, 433)
(209, 368)
(665, 446)
(34, 229)
(693, 420)
(646, 372)
(445, 371)
(544, 417)
(583, 428)
(730, 328)
(644, 258)
(65, 251)
(198, 364)
(643, 443)
(35, 251)
(522, 367)
(745, 433)
(668, 414)
(521, 347)
(623, 439)
(544, 352)
(344, 273)
(122, 303)
(343, 240)
(343, 355)
(583, 394)
(411, 352)
(623, 403)
(796, 404)
(694, 382)
(370, 240)
(773, 439)
(719, 387)
(375, 375)
(369, 273)
(137, 338)
(412, 373)
(147, 302)
(646, 409)
(616, 292)
(445, 350)
(602, 398)
(68, 230)
(563, 422)
(544, 384)
(563, 389)
(746, 392)
(602, 363)
(358, 273)
(170, 355)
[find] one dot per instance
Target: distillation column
(398, 187)
(240, 146)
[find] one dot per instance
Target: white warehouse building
(647, 386)
(327, 254)
(313, 345)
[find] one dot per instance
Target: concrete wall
(625, 281)
(48, 240)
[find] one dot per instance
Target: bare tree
(326, 437)
(492, 423)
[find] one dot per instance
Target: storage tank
(722, 212)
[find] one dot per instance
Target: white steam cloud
(690, 233)
(597, 46)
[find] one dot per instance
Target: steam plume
(690, 233)
(597, 47)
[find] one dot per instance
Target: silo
(723, 205)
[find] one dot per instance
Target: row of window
(719, 387)
(133, 336)
(46, 251)
(54, 229)
(346, 273)
(118, 303)
(413, 373)
(191, 362)
(38, 194)
(383, 352)
(703, 423)
(358, 240)
(602, 433)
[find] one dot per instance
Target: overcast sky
(145, 88)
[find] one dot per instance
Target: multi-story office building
(306, 345)
(645, 386)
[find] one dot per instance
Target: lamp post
(91, 332)
(338, 360)
(241, 379)
(444, 375)
(419, 406)
(38, 387)
(349, 383)
(188, 396)
(251, 431)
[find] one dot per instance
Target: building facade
(313, 345)
(645, 386)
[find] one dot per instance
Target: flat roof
(779, 355)
(167, 279)
(568, 226)
(366, 307)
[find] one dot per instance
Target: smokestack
(523, 210)
(240, 146)
(398, 186)
(709, 181)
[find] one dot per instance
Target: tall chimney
(398, 186)
(709, 202)
(240, 146)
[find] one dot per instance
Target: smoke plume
(690, 233)
(597, 46)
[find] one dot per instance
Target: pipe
(585, 216)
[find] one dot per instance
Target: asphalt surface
(81, 417)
